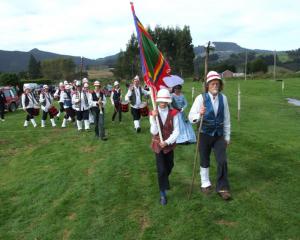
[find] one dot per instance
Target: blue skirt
(187, 133)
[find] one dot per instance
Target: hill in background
(17, 61)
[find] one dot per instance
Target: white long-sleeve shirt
(163, 115)
(59, 93)
(112, 95)
(103, 100)
(46, 101)
(76, 101)
(137, 94)
(32, 101)
(194, 115)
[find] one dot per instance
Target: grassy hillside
(61, 184)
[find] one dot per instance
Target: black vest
(95, 98)
(132, 98)
(116, 95)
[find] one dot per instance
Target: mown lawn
(61, 184)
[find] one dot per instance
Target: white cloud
(97, 28)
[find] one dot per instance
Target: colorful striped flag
(154, 65)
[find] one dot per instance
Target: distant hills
(225, 49)
(16, 61)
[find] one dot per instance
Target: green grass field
(61, 184)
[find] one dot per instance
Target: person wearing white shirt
(98, 104)
(70, 112)
(164, 150)
(214, 134)
(59, 96)
(30, 105)
(134, 95)
(81, 100)
(46, 101)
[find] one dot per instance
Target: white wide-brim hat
(213, 75)
(26, 86)
(163, 95)
(96, 83)
(116, 83)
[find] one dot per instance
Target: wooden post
(206, 60)
(239, 102)
(274, 68)
(246, 61)
(282, 86)
(193, 91)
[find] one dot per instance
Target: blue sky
(97, 28)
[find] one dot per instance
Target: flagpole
(145, 72)
(156, 118)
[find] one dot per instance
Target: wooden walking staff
(197, 150)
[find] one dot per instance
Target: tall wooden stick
(195, 158)
(246, 60)
(156, 118)
(193, 91)
(239, 102)
(274, 68)
(196, 151)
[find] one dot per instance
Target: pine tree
(34, 68)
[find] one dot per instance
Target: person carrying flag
(215, 133)
(164, 150)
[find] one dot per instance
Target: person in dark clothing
(2, 105)
(116, 99)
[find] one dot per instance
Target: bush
(10, 79)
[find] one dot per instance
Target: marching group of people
(212, 108)
(169, 124)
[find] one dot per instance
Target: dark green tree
(258, 65)
(34, 68)
(9, 79)
(58, 69)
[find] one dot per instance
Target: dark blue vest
(213, 125)
(116, 95)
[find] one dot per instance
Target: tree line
(174, 43)
(54, 69)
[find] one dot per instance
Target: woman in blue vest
(215, 132)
